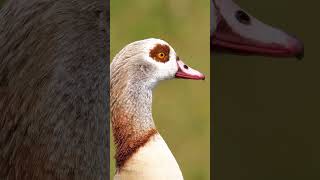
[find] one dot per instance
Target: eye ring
(161, 55)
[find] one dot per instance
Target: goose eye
(243, 17)
(161, 55)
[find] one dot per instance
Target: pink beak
(225, 39)
(238, 32)
(186, 72)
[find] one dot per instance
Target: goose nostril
(185, 66)
(243, 17)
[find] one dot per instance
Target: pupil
(185, 66)
(242, 17)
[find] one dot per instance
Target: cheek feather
(160, 53)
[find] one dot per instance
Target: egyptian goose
(141, 152)
(234, 30)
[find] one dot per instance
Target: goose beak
(251, 37)
(186, 72)
(235, 43)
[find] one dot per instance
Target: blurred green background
(267, 110)
(181, 108)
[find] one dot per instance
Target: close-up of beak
(186, 72)
(235, 31)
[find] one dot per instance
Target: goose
(141, 152)
(234, 30)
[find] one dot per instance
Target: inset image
(160, 89)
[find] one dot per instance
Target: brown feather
(160, 48)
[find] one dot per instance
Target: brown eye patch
(160, 53)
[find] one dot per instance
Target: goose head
(233, 29)
(150, 61)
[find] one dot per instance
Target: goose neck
(131, 119)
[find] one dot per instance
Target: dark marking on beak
(243, 17)
(300, 55)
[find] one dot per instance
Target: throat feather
(132, 122)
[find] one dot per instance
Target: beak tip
(300, 54)
(300, 57)
(297, 47)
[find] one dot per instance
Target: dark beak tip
(300, 50)
(300, 55)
